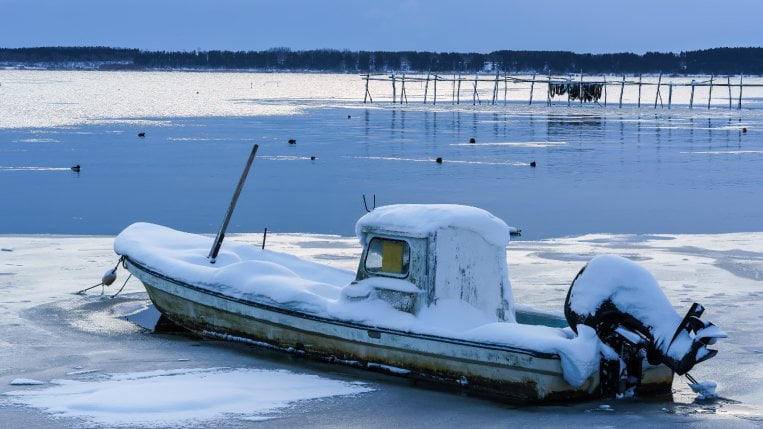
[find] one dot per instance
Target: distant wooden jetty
(591, 89)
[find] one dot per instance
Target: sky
(594, 26)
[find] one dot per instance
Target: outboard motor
(633, 317)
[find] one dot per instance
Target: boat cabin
(416, 254)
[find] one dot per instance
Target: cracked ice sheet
(181, 397)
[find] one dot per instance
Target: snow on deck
(422, 219)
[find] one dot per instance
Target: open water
(598, 169)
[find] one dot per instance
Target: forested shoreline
(709, 61)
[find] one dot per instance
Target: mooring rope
(108, 278)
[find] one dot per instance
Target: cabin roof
(418, 219)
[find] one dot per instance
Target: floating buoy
(472, 140)
(532, 164)
(349, 117)
(292, 141)
(438, 160)
(312, 158)
(141, 134)
(75, 168)
(109, 277)
(744, 130)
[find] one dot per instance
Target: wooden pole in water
(435, 90)
(226, 220)
(505, 88)
(657, 95)
(580, 93)
(605, 90)
(691, 97)
(394, 89)
(710, 94)
(670, 94)
(495, 88)
(458, 93)
(365, 96)
(639, 90)
(474, 94)
(426, 88)
(739, 106)
(728, 84)
(532, 86)
(453, 94)
(622, 88)
(403, 95)
(548, 90)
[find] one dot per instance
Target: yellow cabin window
(388, 257)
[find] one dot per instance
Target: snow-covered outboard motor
(634, 319)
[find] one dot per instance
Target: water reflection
(588, 177)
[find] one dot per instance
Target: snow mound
(25, 382)
(182, 397)
(704, 389)
(630, 288)
(422, 219)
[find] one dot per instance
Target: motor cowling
(626, 307)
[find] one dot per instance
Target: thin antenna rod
(221, 233)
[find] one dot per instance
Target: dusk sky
(444, 25)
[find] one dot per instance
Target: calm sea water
(598, 170)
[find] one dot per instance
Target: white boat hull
(492, 369)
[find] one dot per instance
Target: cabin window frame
(381, 273)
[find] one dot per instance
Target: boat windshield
(388, 257)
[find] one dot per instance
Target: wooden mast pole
(532, 87)
(213, 252)
(710, 94)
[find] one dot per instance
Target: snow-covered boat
(431, 299)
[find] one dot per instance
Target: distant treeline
(708, 61)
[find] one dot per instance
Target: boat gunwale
(298, 314)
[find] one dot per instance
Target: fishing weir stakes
(592, 89)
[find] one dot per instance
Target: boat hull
(496, 370)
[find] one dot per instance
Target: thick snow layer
(704, 389)
(181, 397)
(252, 273)
(632, 289)
(25, 382)
(422, 219)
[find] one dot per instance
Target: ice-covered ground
(49, 334)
